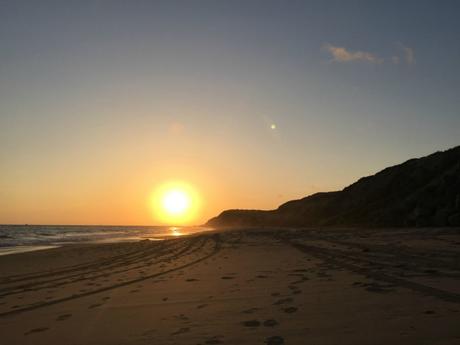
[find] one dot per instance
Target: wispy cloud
(408, 53)
(341, 54)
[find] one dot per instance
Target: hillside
(419, 192)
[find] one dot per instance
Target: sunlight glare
(175, 203)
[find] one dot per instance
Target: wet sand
(254, 286)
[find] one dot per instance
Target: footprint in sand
(283, 301)
(270, 323)
(290, 310)
(63, 317)
(275, 340)
(37, 330)
(251, 323)
(303, 280)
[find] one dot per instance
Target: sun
(175, 203)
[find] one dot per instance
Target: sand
(253, 286)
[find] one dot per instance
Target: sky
(253, 103)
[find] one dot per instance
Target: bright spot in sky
(175, 203)
(273, 126)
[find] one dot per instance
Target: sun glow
(175, 203)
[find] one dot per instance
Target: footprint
(251, 323)
(275, 340)
(290, 310)
(63, 317)
(283, 301)
(303, 280)
(37, 330)
(270, 323)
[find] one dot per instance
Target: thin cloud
(341, 54)
(408, 53)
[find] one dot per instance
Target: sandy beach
(247, 286)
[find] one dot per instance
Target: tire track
(33, 286)
(214, 238)
(28, 276)
(339, 259)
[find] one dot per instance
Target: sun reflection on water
(175, 231)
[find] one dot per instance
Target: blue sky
(97, 89)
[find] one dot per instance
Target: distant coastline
(421, 192)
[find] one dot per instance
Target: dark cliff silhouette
(420, 192)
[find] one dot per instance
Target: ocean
(22, 238)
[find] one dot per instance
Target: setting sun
(175, 203)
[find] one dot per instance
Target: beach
(239, 286)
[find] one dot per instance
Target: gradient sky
(101, 101)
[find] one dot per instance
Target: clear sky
(102, 101)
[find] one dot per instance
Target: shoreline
(56, 238)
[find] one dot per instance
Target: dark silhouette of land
(420, 192)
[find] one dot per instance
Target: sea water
(21, 238)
